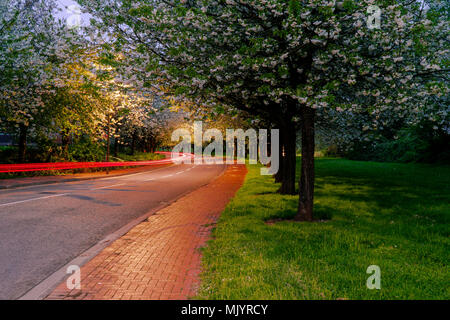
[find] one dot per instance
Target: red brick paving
(160, 257)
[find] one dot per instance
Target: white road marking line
(55, 195)
(65, 194)
(120, 177)
(124, 176)
(135, 174)
(114, 185)
(22, 201)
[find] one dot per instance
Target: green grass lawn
(395, 216)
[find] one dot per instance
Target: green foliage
(140, 156)
(47, 150)
(331, 151)
(86, 150)
(7, 154)
(386, 214)
(414, 144)
(294, 8)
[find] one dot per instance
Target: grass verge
(395, 216)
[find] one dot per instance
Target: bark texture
(306, 183)
(288, 140)
(22, 143)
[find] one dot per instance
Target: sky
(70, 14)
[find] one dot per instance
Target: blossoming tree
(289, 62)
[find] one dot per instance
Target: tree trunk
(279, 175)
(133, 144)
(288, 172)
(22, 143)
(65, 139)
(116, 147)
(152, 145)
(306, 183)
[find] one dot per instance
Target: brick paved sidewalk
(160, 257)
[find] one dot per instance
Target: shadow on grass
(391, 215)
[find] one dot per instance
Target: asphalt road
(44, 227)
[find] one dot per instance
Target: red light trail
(26, 167)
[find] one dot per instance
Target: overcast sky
(69, 12)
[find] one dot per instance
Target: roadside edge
(46, 286)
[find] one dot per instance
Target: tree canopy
(289, 62)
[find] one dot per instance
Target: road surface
(44, 227)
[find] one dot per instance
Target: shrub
(8, 154)
(421, 143)
(86, 150)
